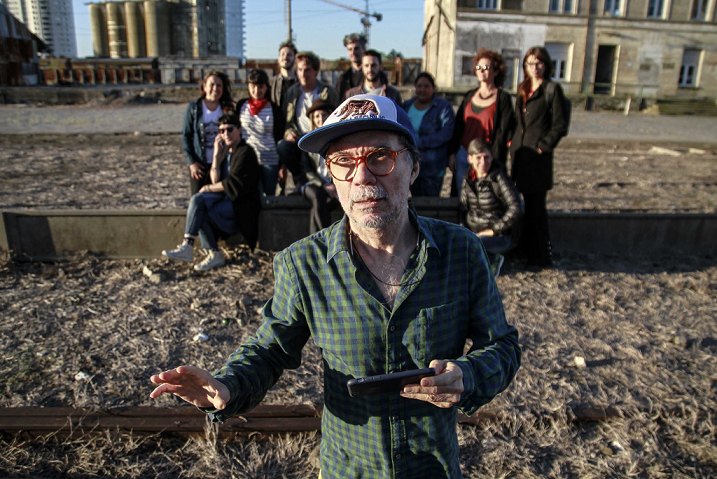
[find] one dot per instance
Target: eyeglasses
(533, 64)
(229, 129)
(379, 163)
(482, 67)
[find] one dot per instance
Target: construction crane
(365, 18)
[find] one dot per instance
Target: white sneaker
(184, 252)
(214, 259)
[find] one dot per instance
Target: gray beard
(373, 222)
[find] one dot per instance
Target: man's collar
(339, 239)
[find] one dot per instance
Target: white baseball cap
(358, 113)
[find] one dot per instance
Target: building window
(487, 4)
(612, 7)
(689, 68)
(560, 54)
(561, 6)
(655, 8)
(699, 10)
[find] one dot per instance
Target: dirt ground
(646, 328)
(149, 172)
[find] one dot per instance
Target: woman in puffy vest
(490, 204)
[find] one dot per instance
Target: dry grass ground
(646, 328)
(149, 172)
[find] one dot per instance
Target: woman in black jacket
(542, 123)
(486, 113)
(490, 204)
(263, 127)
(229, 205)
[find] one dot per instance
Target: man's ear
(414, 172)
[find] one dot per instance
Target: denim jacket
(434, 134)
(193, 133)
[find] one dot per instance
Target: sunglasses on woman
(229, 129)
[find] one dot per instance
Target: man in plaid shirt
(381, 291)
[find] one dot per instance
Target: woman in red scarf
(262, 127)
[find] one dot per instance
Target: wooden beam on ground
(269, 419)
(188, 420)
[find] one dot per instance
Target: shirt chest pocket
(437, 333)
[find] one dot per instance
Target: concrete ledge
(59, 234)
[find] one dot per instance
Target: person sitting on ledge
(318, 187)
(490, 204)
(227, 206)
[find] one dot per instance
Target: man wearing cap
(375, 81)
(381, 291)
(355, 44)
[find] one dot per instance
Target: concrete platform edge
(49, 235)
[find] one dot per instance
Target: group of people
(499, 152)
(381, 291)
(500, 195)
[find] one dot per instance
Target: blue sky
(317, 26)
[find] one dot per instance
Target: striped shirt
(258, 130)
(322, 291)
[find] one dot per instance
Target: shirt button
(392, 328)
(398, 456)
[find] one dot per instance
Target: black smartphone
(384, 383)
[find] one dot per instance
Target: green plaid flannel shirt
(323, 292)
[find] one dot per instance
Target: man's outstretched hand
(194, 385)
(442, 390)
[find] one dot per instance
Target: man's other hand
(291, 135)
(194, 385)
(196, 171)
(442, 390)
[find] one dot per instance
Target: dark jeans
(290, 156)
(427, 185)
(535, 241)
(269, 178)
(321, 207)
(196, 185)
(495, 245)
(199, 222)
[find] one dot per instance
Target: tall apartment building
(639, 47)
(152, 28)
(51, 20)
(234, 28)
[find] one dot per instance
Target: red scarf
(255, 106)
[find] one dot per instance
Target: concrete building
(234, 28)
(185, 29)
(51, 20)
(650, 48)
(18, 51)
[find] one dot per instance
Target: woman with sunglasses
(200, 126)
(263, 127)
(542, 122)
(229, 205)
(486, 113)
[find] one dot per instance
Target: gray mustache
(369, 193)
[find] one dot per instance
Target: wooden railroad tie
(266, 420)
